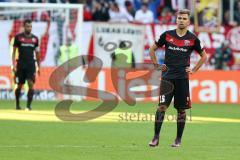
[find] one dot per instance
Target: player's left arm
(37, 52)
(200, 49)
(38, 60)
(201, 61)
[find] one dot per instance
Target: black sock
(181, 119)
(159, 117)
(29, 97)
(17, 96)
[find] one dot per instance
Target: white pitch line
(49, 116)
(103, 146)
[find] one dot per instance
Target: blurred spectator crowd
(226, 13)
(45, 1)
(140, 11)
(149, 11)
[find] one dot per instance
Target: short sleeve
(198, 46)
(162, 40)
(37, 45)
(16, 42)
(37, 42)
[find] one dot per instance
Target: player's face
(183, 21)
(28, 28)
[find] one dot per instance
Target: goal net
(53, 24)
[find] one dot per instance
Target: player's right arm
(15, 46)
(14, 65)
(153, 48)
(37, 53)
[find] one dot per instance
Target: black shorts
(180, 93)
(25, 72)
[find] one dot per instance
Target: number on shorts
(162, 98)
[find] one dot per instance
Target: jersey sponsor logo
(187, 42)
(177, 49)
(27, 45)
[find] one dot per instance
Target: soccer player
(179, 44)
(25, 66)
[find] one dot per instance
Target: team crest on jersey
(171, 40)
(22, 39)
(34, 40)
(187, 42)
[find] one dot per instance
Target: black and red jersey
(177, 52)
(26, 46)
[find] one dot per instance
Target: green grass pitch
(212, 134)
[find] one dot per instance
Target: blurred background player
(179, 44)
(25, 66)
(123, 56)
(223, 57)
(13, 83)
(68, 51)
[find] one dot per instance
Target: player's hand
(14, 68)
(38, 72)
(162, 67)
(189, 70)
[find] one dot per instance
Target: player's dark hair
(184, 11)
(27, 21)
